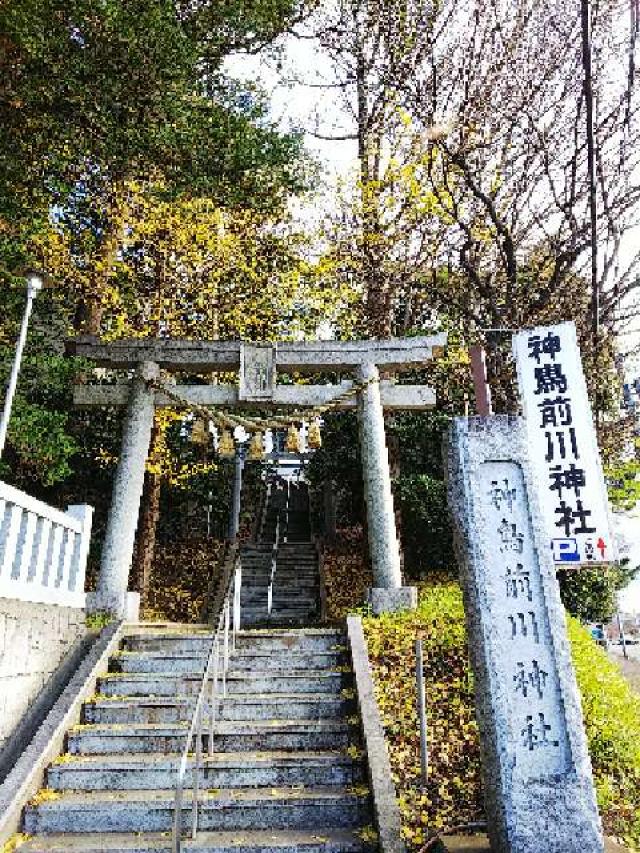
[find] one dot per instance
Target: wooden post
(480, 383)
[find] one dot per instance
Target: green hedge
(612, 719)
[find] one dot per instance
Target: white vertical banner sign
(563, 445)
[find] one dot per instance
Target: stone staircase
(287, 773)
(296, 590)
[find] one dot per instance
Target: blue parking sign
(565, 550)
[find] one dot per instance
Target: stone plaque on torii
(258, 365)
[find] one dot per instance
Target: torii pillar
(258, 365)
(117, 549)
(387, 593)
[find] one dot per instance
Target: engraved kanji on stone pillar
(538, 785)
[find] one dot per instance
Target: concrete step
(285, 594)
(255, 707)
(153, 771)
(294, 554)
(291, 572)
(226, 809)
(170, 684)
(325, 639)
(290, 569)
(233, 735)
(287, 660)
(240, 683)
(290, 550)
(303, 547)
(257, 598)
(278, 613)
(276, 620)
(288, 606)
(292, 577)
(160, 661)
(291, 580)
(149, 684)
(319, 840)
(297, 553)
(262, 621)
(289, 587)
(167, 642)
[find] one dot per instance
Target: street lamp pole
(34, 285)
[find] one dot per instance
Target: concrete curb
(27, 776)
(385, 806)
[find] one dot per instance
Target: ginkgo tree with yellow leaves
(385, 240)
(186, 267)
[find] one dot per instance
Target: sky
(297, 102)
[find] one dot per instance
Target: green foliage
(121, 83)
(39, 438)
(338, 461)
(40, 441)
(612, 719)
(590, 594)
(426, 529)
(98, 620)
(453, 794)
(98, 97)
(623, 481)
(420, 435)
(419, 488)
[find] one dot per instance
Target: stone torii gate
(258, 365)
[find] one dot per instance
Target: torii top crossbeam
(302, 357)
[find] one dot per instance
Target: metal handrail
(274, 564)
(213, 691)
(274, 549)
(287, 509)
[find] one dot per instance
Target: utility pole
(591, 167)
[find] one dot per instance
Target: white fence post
(84, 514)
(43, 551)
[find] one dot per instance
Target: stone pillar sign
(537, 774)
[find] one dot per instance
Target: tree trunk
(149, 515)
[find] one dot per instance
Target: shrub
(453, 795)
(612, 721)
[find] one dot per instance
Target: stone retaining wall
(34, 638)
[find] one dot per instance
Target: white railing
(43, 551)
(213, 691)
